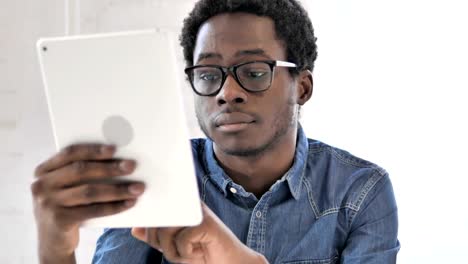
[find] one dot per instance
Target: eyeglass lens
(254, 77)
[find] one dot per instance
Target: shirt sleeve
(373, 234)
(119, 246)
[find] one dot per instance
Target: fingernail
(107, 150)
(136, 189)
(126, 165)
(129, 203)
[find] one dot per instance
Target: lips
(233, 118)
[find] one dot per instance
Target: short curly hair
(292, 25)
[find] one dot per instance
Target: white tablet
(123, 88)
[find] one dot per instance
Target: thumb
(139, 233)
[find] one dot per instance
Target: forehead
(227, 35)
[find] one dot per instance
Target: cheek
(283, 96)
(202, 109)
(198, 107)
(282, 106)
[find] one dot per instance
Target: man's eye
(208, 77)
(256, 74)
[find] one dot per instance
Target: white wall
(392, 87)
(389, 86)
(22, 110)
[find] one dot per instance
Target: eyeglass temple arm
(285, 64)
(289, 64)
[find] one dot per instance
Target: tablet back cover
(122, 88)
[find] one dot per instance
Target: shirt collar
(297, 171)
(215, 172)
(293, 176)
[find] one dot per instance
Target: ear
(305, 86)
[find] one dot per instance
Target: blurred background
(390, 86)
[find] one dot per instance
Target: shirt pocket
(332, 260)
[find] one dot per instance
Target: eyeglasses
(253, 76)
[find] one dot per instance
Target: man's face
(240, 122)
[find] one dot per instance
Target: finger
(98, 193)
(166, 236)
(86, 171)
(76, 152)
(152, 238)
(147, 235)
(189, 242)
(139, 233)
(85, 212)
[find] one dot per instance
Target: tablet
(123, 88)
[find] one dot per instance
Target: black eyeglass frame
(233, 71)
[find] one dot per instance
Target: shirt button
(258, 214)
(233, 190)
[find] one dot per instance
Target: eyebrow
(207, 55)
(258, 52)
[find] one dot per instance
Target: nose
(231, 92)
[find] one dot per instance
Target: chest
(284, 231)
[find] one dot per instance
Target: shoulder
(321, 152)
(337, 180)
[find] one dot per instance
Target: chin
(245, 147)
(242, 152)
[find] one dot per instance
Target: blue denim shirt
(330, 207)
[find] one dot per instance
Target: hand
(69, 189)
(208, 243)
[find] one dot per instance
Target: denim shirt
(329, 207)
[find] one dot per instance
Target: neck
(258, 173)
